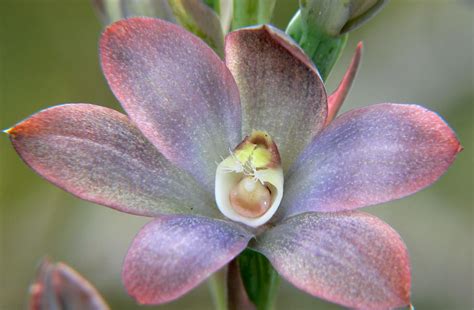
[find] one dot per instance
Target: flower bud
(58, 286)
(338, 17)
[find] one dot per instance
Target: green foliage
(323, 49)
(261, 281)
(252, 12)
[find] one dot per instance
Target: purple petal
(176, 90)
(173, 254)
(349, 258)
(369, 156)
(58, 286)
(336, 99)
(281, 91)
(98, 155)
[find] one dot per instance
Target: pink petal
(176, 90)
(98, 155)
(336, 99)
(369, 156)
(171, 255)
(281, 91)
(349, 258)
(58, 286)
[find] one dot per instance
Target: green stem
(252, 12)
(260, 280)
(217, 287)
(323, 49)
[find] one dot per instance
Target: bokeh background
(415, 52)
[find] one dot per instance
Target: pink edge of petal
(300, 110)
(438, 130)
(336, 99)
(145, 300)
(66, 273)
(33, 125)
(218, 115)
(150, 298)
(318, 290)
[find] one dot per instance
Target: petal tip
(10, 131)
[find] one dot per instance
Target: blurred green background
(415, 52)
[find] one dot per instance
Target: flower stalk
(217, 287)
(321, 27)
(323, 49)
(252, 12)
(260, 279)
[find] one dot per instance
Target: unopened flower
(58, 286)
(241, 153)
(193, 15)
(337, 17)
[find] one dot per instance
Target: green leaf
(323, 49)
(252, 12)
(201, 20)
(260, 279)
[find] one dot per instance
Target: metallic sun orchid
(245, 152)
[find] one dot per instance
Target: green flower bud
(194, 15)
(320, 27)
(338, 17)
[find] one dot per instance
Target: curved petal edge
(370, 156)
(97, 154)
(349, 258)
(280, 88)
(176, 90)
(173, 254)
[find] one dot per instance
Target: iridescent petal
(336, 99)
(281, 91)
(98, 155)
(58, 286)
(369, 156)
(173, 254)
(176, 90)
(349, 258)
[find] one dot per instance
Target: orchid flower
(245, 152)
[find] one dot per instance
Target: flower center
(250, 198)
(249, 182)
